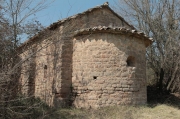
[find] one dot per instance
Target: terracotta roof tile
(116, 30)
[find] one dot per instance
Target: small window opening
(131, 61)
(45, 71)
(94, 77)
(45, 66)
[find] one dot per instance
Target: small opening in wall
(45, 71)
(131, 61)
(94, 77)
(45, 66)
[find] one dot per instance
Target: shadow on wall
(32, 73)
(62, 81)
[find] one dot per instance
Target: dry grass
(160, 106)
(120, 112)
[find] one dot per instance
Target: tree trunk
(173, 77)
(161, 79)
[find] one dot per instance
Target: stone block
(125, 74)
(126, 89)
(118, 89)
(111, 91)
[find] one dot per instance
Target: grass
(161, 106)
(160, 111)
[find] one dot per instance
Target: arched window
(131, 61)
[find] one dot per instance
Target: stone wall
(46, 69)
(37, 70)
(101, 75)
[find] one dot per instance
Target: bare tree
(21, 12)
(15, 21)
(160, 19)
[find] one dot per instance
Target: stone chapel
(89, 60)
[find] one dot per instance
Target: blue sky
(60, 9)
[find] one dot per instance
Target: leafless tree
(160, 19)
(15, 20)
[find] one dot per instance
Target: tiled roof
(115, 30)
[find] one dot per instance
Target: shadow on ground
(155, 97)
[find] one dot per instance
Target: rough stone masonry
(90, 60)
